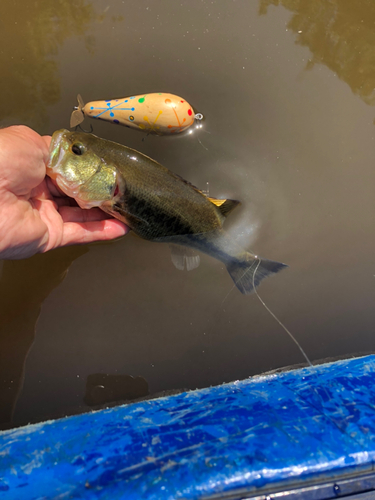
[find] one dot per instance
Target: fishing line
(296, 392)
(230, 291)
(276, 318)
(198, 126)
(235, 284)
(203, 146)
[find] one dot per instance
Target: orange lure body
(157, 113)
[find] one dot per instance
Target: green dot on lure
(158, 113)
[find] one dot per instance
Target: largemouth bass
(155, 203)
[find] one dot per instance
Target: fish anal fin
(224, 206)
(184, 257)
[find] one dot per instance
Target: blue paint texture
(312, 423)
(110, 108)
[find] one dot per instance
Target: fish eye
(78, 149)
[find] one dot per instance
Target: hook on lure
(83, 130)
(158, 113)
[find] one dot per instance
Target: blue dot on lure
(158, 113)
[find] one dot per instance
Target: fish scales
(157, 204)
(172, 207)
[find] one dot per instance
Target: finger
(47, 139)
(88, 232)
(23, 155)
(65, 202)
(43, 192)
(77, 214)
(54, 188)
(60, 198)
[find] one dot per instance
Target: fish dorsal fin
(216, 202)
(188, 183)
(224, 206)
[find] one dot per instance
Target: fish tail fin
(247, 272)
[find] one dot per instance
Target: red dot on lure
(157, 113)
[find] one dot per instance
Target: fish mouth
(55, 152)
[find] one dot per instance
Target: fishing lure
(157, 113)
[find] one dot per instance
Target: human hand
(34, 215)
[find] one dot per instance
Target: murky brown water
(287, 89)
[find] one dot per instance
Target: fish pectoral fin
(119, 213)
(224, 206)
(182, 256)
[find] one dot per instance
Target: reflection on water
(340, 34)
(24, 285)
(297, 152)
(35, 31)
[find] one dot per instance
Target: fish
(158, 113)
(157, 204)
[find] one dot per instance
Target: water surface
(287, 89)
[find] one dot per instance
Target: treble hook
(83, 130)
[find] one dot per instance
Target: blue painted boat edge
(280, 429)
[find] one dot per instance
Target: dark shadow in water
(340, 34)
(102, 388)
(24, 285)
(36, 30)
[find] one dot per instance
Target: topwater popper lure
(158, 113)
